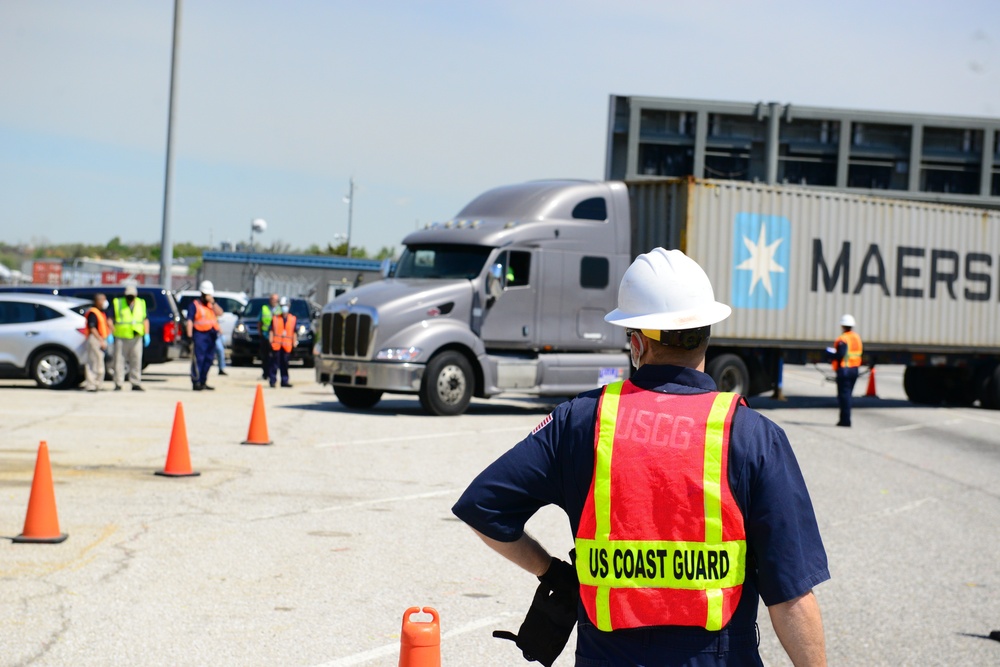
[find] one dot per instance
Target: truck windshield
(448, 262)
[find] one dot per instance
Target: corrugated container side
(791, 261)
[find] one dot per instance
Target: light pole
(257, 226)
(166, 243)
(349, 200)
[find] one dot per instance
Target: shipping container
(922, 280)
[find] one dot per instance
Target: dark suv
(164, 318)
(246, 335)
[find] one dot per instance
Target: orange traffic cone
(870, 392)
(42, 522)
(420, 643)
(178, 457)
(257, 434)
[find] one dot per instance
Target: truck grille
(346, 334)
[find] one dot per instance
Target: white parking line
(360, 503)
(392, 649)
(423, 436)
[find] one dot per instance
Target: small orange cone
(420, 643)
(257, 434)
(870, 392)
(42, 521)
(178, 458)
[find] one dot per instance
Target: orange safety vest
(204, 317)
(854, 349)
(282, 332)
(661, 540)
(102, 322)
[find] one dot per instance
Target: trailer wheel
(729, 373)
(923, 385)
(357, 398)
(960, 387)
(447, 385)
(989, 390)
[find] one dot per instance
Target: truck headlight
(398, 353)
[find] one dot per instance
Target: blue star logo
(760, 261)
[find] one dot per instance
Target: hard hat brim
(689, 319)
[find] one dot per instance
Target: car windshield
(447, 262)
(299, 308)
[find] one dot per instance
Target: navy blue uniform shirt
(555, 464)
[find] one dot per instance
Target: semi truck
(510, 294)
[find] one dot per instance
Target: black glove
(551, 617)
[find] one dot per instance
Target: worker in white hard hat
(687, 506)
(284, 338)
(203, 328)
(845, 356)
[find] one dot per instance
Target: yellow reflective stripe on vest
(602, 488)
(712, 552)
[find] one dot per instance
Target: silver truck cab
(509, 296)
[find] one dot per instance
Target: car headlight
(240, 328)
(398, 353)
(302, 330)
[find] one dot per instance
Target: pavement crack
(55, 636)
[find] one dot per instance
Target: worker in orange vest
(846, 358)
(687, 506)
(284, 338)
(203, 328)
(98, 335)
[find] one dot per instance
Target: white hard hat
(848, 321)
(666, 290)
(283, 301)
(206, 287)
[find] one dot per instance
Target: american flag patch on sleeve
(542, 424)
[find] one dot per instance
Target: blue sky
(426, 104)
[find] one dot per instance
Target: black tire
(240, 361)
(989, 389)
(357, 398)
(960, 387)
(54, 369)
(309, 362)
(923, 385)
(729, 373)
(446, 388)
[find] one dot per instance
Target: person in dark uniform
(203, 328)
(710, 511)
(283, 337)
(846, 359)
(264, 327)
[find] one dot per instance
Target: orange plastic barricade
(178, 458)
(420, 643)
(41, 524)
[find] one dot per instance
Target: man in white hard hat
(846, 358)
(701, 510)
(203, 328)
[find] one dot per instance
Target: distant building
(949, 159)
(319, 277)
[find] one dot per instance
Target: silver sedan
(43, 337)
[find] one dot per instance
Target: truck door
(512, 319)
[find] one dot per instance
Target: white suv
(43, 337)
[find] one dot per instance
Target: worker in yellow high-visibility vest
(131, 331)
(686, 505)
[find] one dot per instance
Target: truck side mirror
(386, 268)
(494, 284)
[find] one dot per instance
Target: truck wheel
(53, 369)
(447, 385)
(729, 373)
(989, 390)
(923, 385)
(960, 387)
(240, 361)
(357, 398)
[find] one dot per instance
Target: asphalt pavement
(307, 552)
